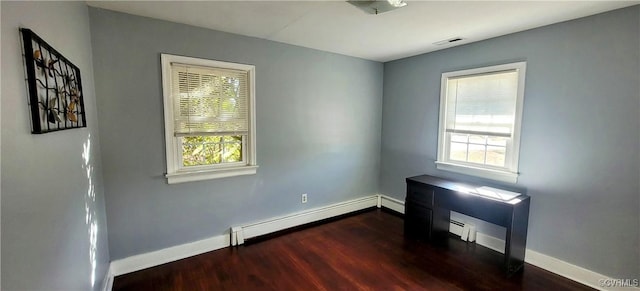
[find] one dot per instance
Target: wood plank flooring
(363, 252)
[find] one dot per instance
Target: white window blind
(483, 104)
(209, 101)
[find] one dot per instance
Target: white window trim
(175, 172)
(510, 174)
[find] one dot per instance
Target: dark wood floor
(362, 252)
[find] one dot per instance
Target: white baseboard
(551, 264)
(163, 256)
(391, 203)
(493, 243)
(240, 233)
(573, 272)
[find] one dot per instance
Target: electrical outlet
(304, 198)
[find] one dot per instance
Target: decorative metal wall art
(55, 87)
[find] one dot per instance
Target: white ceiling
(339, 27)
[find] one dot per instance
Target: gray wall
(50, 196)
(580, 146)
(318, 132)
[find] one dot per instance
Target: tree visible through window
(209, 150)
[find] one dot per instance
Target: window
(209, 115)
(480, 114)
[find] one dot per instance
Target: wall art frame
(54, 86)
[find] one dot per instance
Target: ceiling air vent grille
(448, 41)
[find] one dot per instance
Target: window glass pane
(211, 150)
(459, 138)
(232, 138)
(193, 154)
(479, 139)
(233, 152)
(497, 141)
(476, 153)
(214, 154)
(496, 156)
(458, 151)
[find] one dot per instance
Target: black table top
(463, 187)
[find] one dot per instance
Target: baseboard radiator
(466, 231)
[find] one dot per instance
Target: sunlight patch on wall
(90, 212)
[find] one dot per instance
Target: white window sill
(191, 176)
(497, 175)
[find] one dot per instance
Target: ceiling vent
(448, 41)
(377, 7)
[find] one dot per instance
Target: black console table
(430, 199)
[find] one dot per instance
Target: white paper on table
(496, 193)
